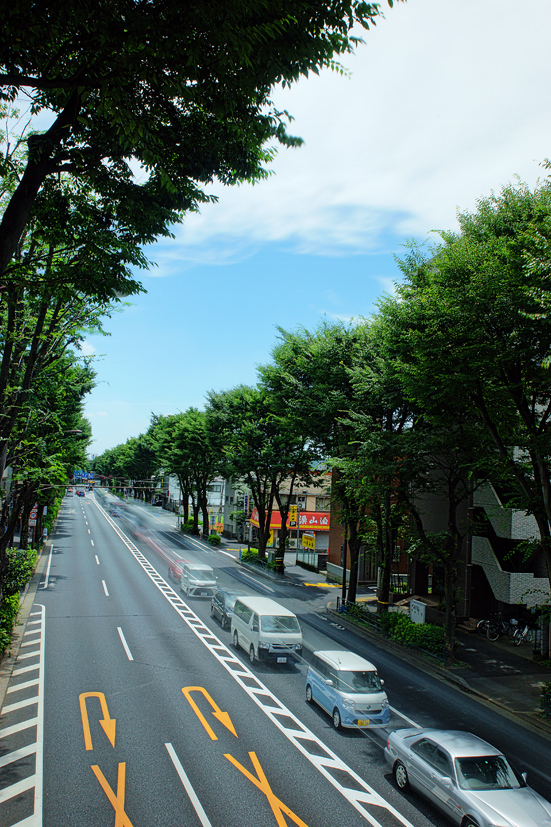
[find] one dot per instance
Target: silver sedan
(466, 778)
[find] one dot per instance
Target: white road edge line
(45, 584)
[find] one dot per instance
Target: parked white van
(348, 687)
(198, 580)
(266, 630)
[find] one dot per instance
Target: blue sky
(445, 102)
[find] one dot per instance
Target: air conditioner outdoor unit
(293, 543)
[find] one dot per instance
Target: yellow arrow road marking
(109, 724)
(223, 717)
(117, 801)
(278, 807)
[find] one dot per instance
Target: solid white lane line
(45, 584)
(203, 818)
(124, 643)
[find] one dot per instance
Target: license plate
(202, 593)
(363, 722)
(282, 660)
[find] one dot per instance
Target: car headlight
(348, 704)
(262, 645)
(385, 703)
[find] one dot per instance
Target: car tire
(235, 640)
(309, 696)
(252, 656)
(212, 612)
(336, 719)
(401, 776)
(469, 823)
(224, 622)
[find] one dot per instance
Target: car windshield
(201, 574)
(277, 623)
(486, 772)
(358, 681)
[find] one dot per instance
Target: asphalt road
(151, 717)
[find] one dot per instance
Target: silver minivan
(266, 630)
(198, 580)
(348, 687)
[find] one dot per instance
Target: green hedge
(397, 626)
(545, 702)
(214, 539)
(21, 563)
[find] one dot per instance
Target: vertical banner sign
(293, 516)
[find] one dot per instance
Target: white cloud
(87, 348)
(446, 102)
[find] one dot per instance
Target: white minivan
(198, 580)
(265, 629)
(348, 687)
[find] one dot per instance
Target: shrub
(8, 615)
(188, 525)
(397, 626)
(21, 563)
(249, 555)
(545, 702)
(214, 539)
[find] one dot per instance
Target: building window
(323, 503)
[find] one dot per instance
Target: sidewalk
(498, 674)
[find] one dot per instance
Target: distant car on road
(221, 605)
(80, 493)
(175, 570)
(466, 778)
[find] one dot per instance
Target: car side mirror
(382, 682)
(525, 777)
(329, 682)
(447, 782)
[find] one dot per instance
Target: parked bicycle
(494, 626)
(524, 634)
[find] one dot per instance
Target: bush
(249, 555)
(545, 702)
(21, 563)
(188, 526)
(8, 614)
(214, 539)
(397, 626)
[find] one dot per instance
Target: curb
(539, 727)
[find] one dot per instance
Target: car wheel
(336, 718)
(212, 612)
(308, 694)
(252, 656)
(235, 640)
(224, 622)
(469, 823)
(401, 776)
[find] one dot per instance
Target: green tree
(185, 449)
(475, 330)
(184, 89)
(259, 447)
